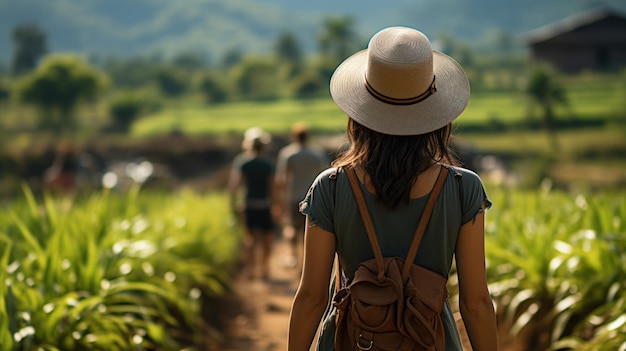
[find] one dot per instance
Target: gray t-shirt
(330, 204)
(298, 166)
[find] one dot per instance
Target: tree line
(56, 83)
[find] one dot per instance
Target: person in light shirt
(297, 165)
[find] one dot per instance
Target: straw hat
(255, 137)
(399, 85)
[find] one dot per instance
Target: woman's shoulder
(464, 172)
(326, 181)
(326, 176)
(468, 177)
(472, 186)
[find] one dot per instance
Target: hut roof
(569, 24)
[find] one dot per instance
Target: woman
(401, 97)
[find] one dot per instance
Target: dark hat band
(409, 101)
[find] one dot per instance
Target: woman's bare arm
(312, 295)
(474, 299)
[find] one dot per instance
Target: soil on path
(260, 320)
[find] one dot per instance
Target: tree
(124, 110)
(256, 80)
(213, 89)
(544, 90)
(289, 54)
(307, 86)
(171, 81)
(30, 46)
(56, 87)
(337, 37)
(231, 58)
(190, 60)
(132, 72)
(5, 92)
(288, 49)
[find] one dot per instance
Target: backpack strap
(424, 219)
(367, 221)
(419, 232)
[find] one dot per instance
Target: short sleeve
(474, 197)
(318, 204)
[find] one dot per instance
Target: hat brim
(348, 90)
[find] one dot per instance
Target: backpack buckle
(361, 347)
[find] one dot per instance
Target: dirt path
(262, 321)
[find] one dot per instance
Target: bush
(125, 109)
(555, 263)
(213, 89)
(308, 86)
(113, 271)
(5, 93)
(257, 80)
(171, 82)
(58, 84)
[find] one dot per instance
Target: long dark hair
(393, 162)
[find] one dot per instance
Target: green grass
(275, 117)
(588, 101)
(486, 106)
(588, 158)
(575, 144)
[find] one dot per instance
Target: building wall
(598, 46)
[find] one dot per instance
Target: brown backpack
(390, 304)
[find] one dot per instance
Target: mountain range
(212, 27)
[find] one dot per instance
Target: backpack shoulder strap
(424, 219)
(419, 232)
(367, 220)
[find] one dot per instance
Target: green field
(604, 100)
(275, 117)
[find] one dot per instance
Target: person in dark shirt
(251, 193)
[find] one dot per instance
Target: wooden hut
(592, 40)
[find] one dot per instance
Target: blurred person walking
(61, 176)
(251, 196)
(297, 166)
(400, 97)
